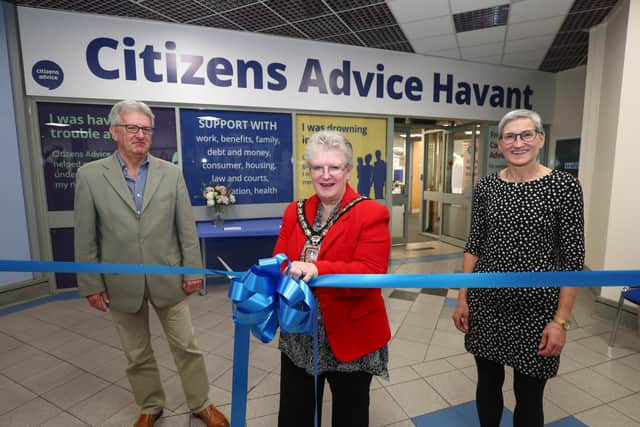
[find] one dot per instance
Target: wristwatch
(566, 324)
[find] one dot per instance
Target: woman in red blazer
(335, 231)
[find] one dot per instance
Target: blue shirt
(136, 186)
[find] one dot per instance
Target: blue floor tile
(465, 415)
(27, 305)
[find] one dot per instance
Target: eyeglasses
(135, 129)
(525, 136)
(331, 170)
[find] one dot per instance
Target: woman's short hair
(329, 140)
(521, 114)
(127, 106)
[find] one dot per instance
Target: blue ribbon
(440, 280)
(263, 298)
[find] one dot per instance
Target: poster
(249, 152)
(74, 134)
(368, 136)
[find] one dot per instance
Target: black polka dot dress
(528, 226)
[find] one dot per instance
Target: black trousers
(350, 397)
(490, 403)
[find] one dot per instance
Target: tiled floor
(61, 364)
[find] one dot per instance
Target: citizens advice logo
(48, 74)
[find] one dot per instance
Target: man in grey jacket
(134, 208)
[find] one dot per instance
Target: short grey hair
(329, 140)
(521, 114)
(129, 105)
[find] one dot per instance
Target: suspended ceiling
(547, 35)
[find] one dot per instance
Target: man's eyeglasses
(135, 129)
(525, 136)
(331, 170)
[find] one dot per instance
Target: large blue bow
(264, 299)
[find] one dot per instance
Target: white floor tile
(454, 386)
(630, 406)
(597, 385)
(620, 373)
(605, 416)
(416, 397)
(569, 397)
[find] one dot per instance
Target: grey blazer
(108, 229)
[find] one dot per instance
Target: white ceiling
(523, 42)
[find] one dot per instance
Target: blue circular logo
(47, 74)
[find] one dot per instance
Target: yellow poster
(368, 137)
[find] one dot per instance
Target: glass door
(401, 186)
(452, 163)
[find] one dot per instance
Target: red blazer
(358, 243)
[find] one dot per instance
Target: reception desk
(239, 242)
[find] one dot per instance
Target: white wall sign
(85, 56)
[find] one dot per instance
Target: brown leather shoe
(212, 417)
(147, 420)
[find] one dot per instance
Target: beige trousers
(142, 371)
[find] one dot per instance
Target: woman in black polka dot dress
(527, 217)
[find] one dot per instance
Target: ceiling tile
(287, 31)
(478, 37)
(180, 10)
(365, 18)
(411, 10)
(584, 20)
(447, 53)
(432, 44)
(482, 50)
(585, 5)
(495, 59)
(571, 38)
(321, 27)
(215, 21)
(560, 64)
(458, 6)
(530, 43)
(531, 59)
(401, 47)
(297, 10)
(535, 28)
(348, 38)
(223, 5)
(122, 8)
(382, 36)
(481, 18)
(339, 5)
(536, 9)
(254, 17)
(428, 27)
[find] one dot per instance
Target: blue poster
(74, 134)
(249, 152)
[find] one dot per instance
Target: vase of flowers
(218, 196)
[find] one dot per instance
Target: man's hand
(191, 286)
(99, 301)
(553, 339)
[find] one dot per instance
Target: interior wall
(624, 233)
(605, 140)
(13, 227)
(610, 138)
(567, 107)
